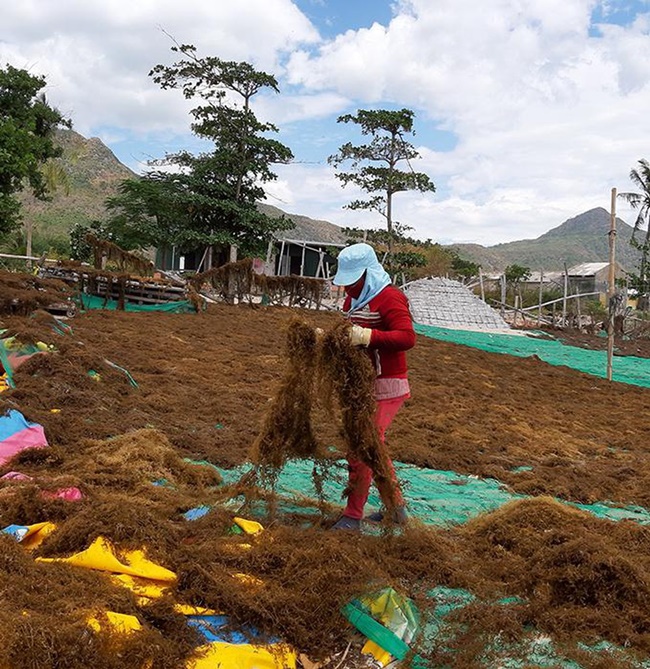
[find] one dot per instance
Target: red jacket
(389, 317)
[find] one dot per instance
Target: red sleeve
(396, 333)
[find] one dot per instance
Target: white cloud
(549, 111)
(548, 117)
(96, 56)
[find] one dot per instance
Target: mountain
(94, 174)
(583, 238)
(306, 229)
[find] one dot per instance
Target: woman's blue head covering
(353, 261)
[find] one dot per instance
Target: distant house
(592, 277)
(304, 250)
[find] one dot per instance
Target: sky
(527, 112)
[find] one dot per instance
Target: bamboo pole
(611, 287)
(541, 285)
(302, 260)
(566, 290)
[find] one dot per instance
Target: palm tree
(641, 201)
(55, 178)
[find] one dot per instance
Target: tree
(466, 270)
(27, 125)
(515, 274)
(641, 201)
(382, 178)
(210, 199)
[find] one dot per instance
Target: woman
(382, 323)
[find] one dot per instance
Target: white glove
(360, 336)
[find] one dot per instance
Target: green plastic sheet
(625, 369)
(88, 302)
(440, 498)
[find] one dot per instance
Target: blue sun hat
(353, 261)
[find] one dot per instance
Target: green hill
(93, 174)
(584, 238)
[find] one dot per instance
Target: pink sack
(16, 476)
(67, 494)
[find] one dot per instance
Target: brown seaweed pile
(349, 376)
(237, 279)
(536, 569)
(22, 294)
(345, 377)
(287, 430)
(125, 261)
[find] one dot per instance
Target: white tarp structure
(448, 304)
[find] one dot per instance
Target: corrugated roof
(547, 277)
(306, 229)
(587, 268)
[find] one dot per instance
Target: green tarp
(87, 302)
(628, 369)
(435, 497)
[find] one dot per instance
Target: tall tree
(641, 201)
(27, 124)
(210, 199)
(374, 166)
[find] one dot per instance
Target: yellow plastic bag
(143, 588)
(243, 656)
(36, 534)
(118, 622)
(249, 526)
(100, 555)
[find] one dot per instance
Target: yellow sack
(36, 534)
(143, 588)
(243, 656)
(100, 555)
(118, 622)
(249, 526)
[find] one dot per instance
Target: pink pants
(359, 474)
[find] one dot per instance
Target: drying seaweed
(536, 569)
(22, 294)
(291, 290)
(579, 576)
(104, 250)
(287, 431)
(45, 614)
(233, 279)
(347, 374)
(238, 279)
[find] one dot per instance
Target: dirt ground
(204, 382)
